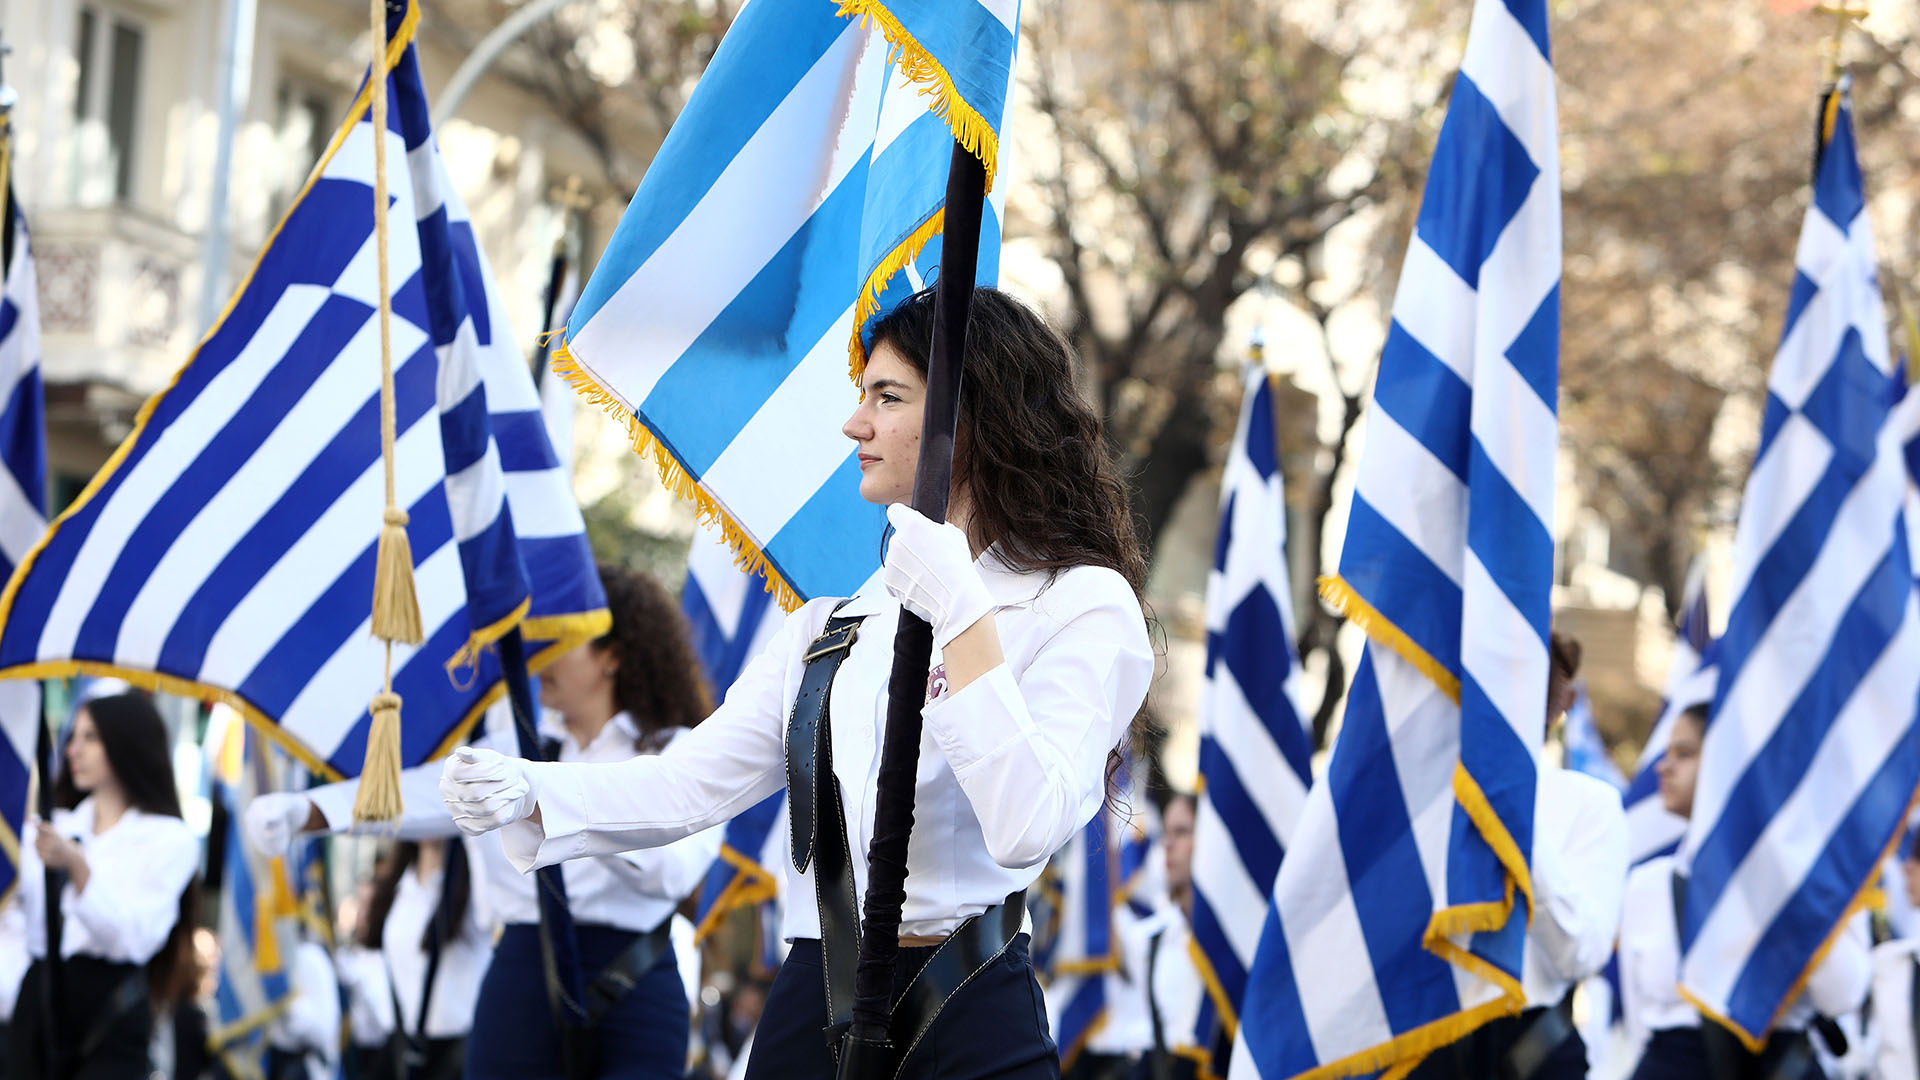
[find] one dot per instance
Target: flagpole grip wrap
(867, 1052)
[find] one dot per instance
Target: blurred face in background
(87, 755)
(1910, 873)
(579, 683)
(1681, 765)
(1176, 836)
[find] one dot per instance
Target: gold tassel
(378, 799)
(396, 610)
(266, 937)
(278, 889)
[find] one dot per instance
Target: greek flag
(801, 191)
(226, 549)
(1812, 755)
(731, 615)
(1090, 874)
(1651, 830)
(1400, 912)
(254, 987)
(23, 508)
(1255, 751)
(1586, 750)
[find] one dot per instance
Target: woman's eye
(890, 399)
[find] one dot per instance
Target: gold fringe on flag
(396, 609)
(675, 477)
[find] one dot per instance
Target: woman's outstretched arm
(720, 768)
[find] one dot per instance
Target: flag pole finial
(1843, 16)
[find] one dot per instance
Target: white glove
(485, 789)
(272, 820)
(929, 569)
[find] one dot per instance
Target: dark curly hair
(1039, 477)
(1029, 453)
(658, 681)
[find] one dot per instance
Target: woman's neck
(109, 806)
(587, 724)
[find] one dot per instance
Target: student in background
(127, 900)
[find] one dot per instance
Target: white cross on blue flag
(1812, 754)
(1401, 908)
(226, 549)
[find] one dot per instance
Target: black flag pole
(559, 948)
(55, 883)
(867, 1053)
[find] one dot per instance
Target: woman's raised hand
(273, 819)
(929, 569)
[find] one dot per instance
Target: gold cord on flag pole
(396, 610)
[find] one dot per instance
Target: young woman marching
(1042, 661)
(126, 906)
(634, 691)
(421, 881)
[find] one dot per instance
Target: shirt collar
(621, 726)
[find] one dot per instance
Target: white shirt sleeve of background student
(136, 873)
(1579, 880)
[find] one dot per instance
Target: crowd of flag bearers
(897, 720)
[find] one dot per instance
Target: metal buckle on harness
(831, 643)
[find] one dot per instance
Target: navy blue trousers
(995, 1026)
(643, 1037)
(1673, 1054)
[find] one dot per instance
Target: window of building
(111, 50)
(305, 118)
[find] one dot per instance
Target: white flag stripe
(1431, 314)
(317, 559)
(184, 442)
(678, 292)
(773, 472)
(1421, 498)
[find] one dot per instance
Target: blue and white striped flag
(731, 616)
(23, 510)
(226, 550)
(1255, 750)
(1089, 873)
(1652, 830)
(1812, 755)
(1586, 750)
(800, 191)
(254, 986)
(1400, 912)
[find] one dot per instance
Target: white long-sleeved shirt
(1010, 766)
(363, 978)
(1650, 963)
(463, 961)
(136, 872)
(635, 890)
(1895, 1056)
(1650, 998)
(13, 954)
(310, 1025)
(1579, 876)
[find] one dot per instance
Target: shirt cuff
(561, 832)
(981, 720)
(335, 803)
